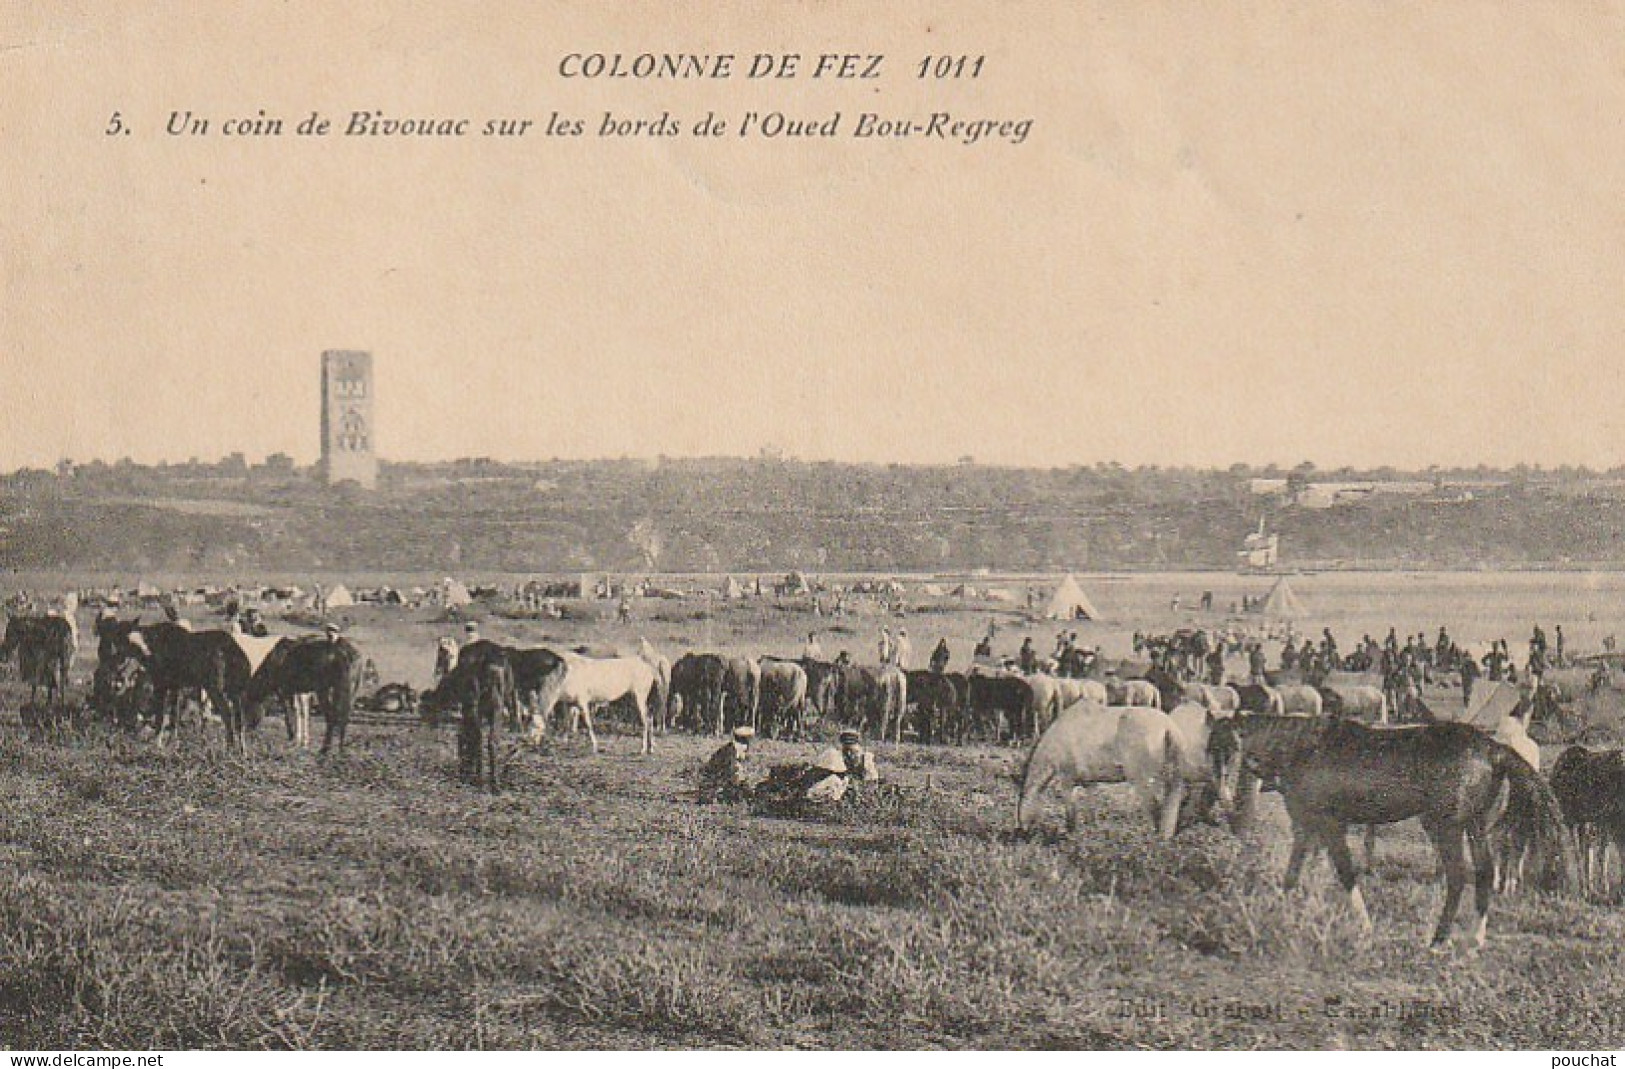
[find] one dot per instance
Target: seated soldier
(834, 770)
(727, 777)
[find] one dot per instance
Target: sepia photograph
(823, 526)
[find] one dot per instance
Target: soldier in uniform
(837, 768)
(727, 777)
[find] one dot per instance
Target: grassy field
(184, 899)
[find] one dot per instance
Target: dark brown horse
(331, 669)
(1590, 786)
(1456, 779)
(44, 649)
(178, 661)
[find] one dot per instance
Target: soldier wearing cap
(837, 768)
(331, 630)
(726, 777)
(471, 632)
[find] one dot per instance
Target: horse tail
(1535, 819)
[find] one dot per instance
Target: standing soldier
(885, 646)
(939, 657)
(1469, 676)
(902, 651)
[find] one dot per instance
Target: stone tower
(347, 418)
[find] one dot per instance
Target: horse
(1357, 702)
(329, 669)
(177, 660)
(1162, 754)
(536, 674)
(1509, 853)
(936, 703)
(1090, 743)
(1046, 700)
(695, 697)
(1142, 693)
(742, 689)
(44, 648)
(1590, 787)
(1300, 699)
(997, 702)
(589, 680)
(783, 703)
(1258, 698)
(1333, 773)
(1078, 750)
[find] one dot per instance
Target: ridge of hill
(771, 514)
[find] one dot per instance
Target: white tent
(1491, 704)
(1281, 602)
(452, 592)
(731, 588)
(339, 597)
(1071, 603)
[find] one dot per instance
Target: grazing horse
(1257, 698)
(784, 697)
(178, 660)
(329, 669)
(695, 697)
(1333, 773)
(1590, 786)
(44, 649)
(1142, 693)
(587, 681)
(1078, 750)
(1356, 702)
(1089, 743)
(1300, 699)
(999, 703)
(936, 703)
(1162, 754)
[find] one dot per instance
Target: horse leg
(1172, 801)
(1370, 846)
(491, 754)
(1073, 804)
(1300, 853)
(648, 724)
(586, 715)
(1483, 883)
(1448, 842)
(1335, 837)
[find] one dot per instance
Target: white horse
(1078, 750)
(1363, 703)
(1509, 858)
(587, 681)
(1142, 693)
(1162, 754)
(1090, 743)
(1299, 699)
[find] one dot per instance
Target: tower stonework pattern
(347, 418)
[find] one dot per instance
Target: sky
(1348, 233)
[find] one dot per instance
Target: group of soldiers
(731, 776)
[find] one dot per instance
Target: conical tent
(732, 589)
(1071, 603)
(1282, 602)
(1492, 703)
(452, 592)
(339, 597)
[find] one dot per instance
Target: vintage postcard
(811, 525)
